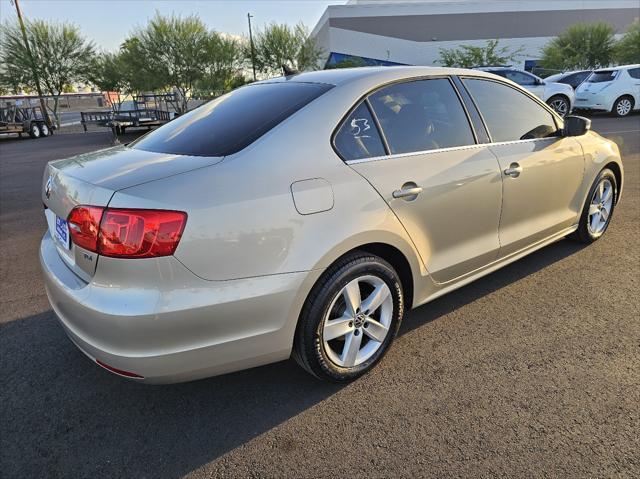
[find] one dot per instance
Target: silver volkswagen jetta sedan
(301, 216)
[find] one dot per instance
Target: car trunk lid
(92, 179)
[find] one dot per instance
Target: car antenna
(288, 71)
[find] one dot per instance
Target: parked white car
(558, 96)
(615, 90)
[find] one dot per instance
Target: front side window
(421, 115)
(509, 114)
(574, 79)
(358, 137)
(603, 76)
(228, 124)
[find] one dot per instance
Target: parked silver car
(304, 215)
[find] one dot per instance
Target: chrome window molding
(397, 156)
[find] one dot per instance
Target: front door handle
(409, 191)
(514, 170)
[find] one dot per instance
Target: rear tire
(601, 201)
(44, 130)
(623, 106)
(34, 131)
(350, 318)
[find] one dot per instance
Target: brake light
(84, 223)
(140, 233)
(126, 233)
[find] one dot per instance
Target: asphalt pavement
(532, 371)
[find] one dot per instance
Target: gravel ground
(530, 372)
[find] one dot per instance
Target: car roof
(621, 67)
(340, 76)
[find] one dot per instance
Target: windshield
(230, 123)
(603, 76)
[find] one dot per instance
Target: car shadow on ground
(65, 416)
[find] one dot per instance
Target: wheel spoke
(375, 330)
(351, 294)
(600, 191)
(593, 209)
(336, 328)
(375, 299)
(595, 221)
(607, 194)
(350, 350)
(604, 214)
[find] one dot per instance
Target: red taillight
(84, 224)
(140, 233)
(126, 233)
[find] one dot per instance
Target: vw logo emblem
(47, 188)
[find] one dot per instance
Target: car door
(444, 188)
(542, 171)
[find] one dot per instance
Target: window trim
(559, 122)
(365, 98)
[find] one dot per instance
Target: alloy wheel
(623, 107)
(600, 207)
(560, 106)
(358, 321)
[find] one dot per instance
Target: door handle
(514, 170)
(408, 191)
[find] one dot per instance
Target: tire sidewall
(319, 306)
(34, 131)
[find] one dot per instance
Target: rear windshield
(599, 77)
(230, 123)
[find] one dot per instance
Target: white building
(412, 32)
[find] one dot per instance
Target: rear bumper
(166, 324)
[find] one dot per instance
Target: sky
(108, 22)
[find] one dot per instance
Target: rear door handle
(514, 170)
(408, 191)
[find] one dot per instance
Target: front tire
(598, 209)
(350, 318)
(623, 106)
(559, 104)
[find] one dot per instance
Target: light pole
(34, 70)
(253, 50)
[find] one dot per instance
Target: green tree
(580, 47)
(279, 44)
(627, 50)
(60, 53)
(170, 51)
(348, 63)
(223, 70)
(110, 73)
(468, 56)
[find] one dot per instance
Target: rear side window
(603, 76)
(509, 114)
(358, 137)
(421, 115)
(635, 73)
(228, 124)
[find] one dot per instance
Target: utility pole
(34, 70)
(253, 50)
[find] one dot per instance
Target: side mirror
(576, 125)
(539, 81)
